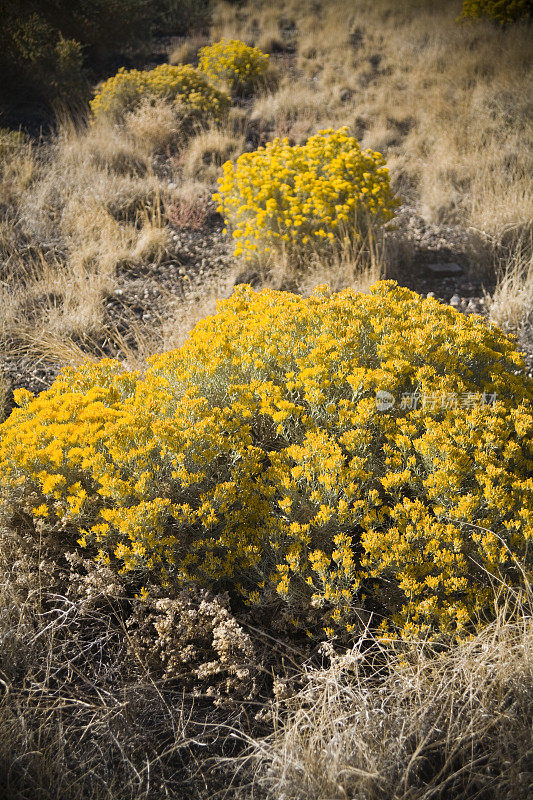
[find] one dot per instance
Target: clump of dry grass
(4, 395)
(511, 304)
(356, 266)
(187, 51)
(205, 154)
(383, 722)
(17, 165)
(75, 210)
(188, 206)
(294, 111)
(155, 126)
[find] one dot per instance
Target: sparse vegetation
(240, 642)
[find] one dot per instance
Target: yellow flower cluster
(317, 196)
(233, 64)
(183, 85)
(256, 457)
(503, 11)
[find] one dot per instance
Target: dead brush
(390, 722)
(511, 304)
(4, 394)
(188, 207)
(81, 715)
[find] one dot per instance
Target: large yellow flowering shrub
(198, 100)
(256, 458)
(502, 11)
(319, 196)
(234, 64)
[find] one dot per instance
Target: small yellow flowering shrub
(313, 197)
(256, 458)
(502, 11)
(198, 100)
(234, 64)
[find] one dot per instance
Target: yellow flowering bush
(260, 458)
(319, 196)
(197, 99)
(502, 11)
(233, 64)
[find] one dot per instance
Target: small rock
(443, 269)
(430, 295)
(119, 292)
(455, 301)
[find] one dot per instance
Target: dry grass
(155, 127)
(388, 723)
(449, 104)
(205, 154)
(81, 716)
(76, 209)
(511, 304)
(4, 395)
(356, 266)
(187, 51)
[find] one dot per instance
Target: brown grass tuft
(388, 722)
(205, 154)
